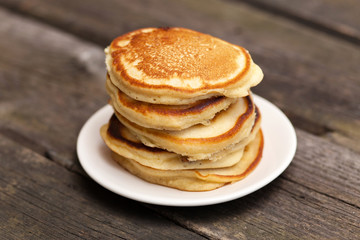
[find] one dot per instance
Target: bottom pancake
(198, 179)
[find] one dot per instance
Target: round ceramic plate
(279, 150)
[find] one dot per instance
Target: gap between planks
(298, 18)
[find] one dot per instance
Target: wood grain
(301, 65)
(52, 80)
(273, 213)
(326, 168)
(48, 89)
(338, 18)
(42, 200)
(317, 197)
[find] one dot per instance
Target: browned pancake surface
(177, 52)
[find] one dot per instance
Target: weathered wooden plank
(340, 18)
(50, 83)
(277, 211)
(327, 168)
(42, 200)
(305, 71)
(65, 15)
(316, 198)
(37, 118)
(273, 213)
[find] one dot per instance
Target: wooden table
(52, 78)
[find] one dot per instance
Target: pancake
(240, 145)
(176, 66)
(168, 117)
(201, 141)
(198, 180)
(121, 141)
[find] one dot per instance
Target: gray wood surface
(338, 18)
(309, 201)
(300, 63)
(52, 86)
(52, 78)
(41, 200)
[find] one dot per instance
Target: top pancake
(178, 66)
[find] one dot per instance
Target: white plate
(279, 150)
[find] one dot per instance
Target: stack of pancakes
(183, 116)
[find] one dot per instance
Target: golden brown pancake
(177, 66)
(201, 141)
(183, 111)
(121, 141)
(240, 145)
(168, 117)
(198, 180)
